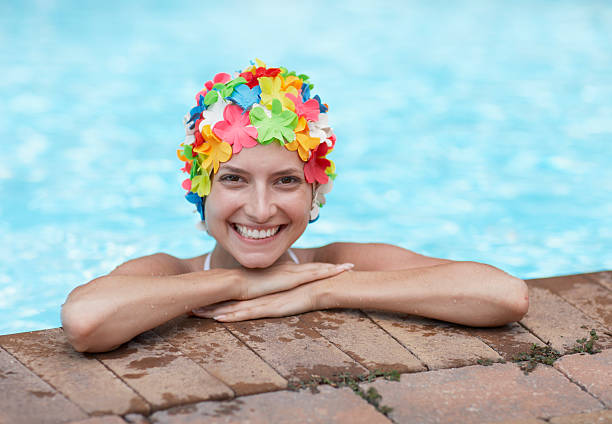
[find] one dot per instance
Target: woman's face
(259, 204)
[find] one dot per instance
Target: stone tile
(136, 419)
(508, 341)
(81, 378)
(588, 296)
(599, 417)
(437, 344)
(604, 278)
(294, 349)
(554, 320)
(162, 374)
(223, 355)
(284, 407)
(25, 398)
(479, 394)
(109, 419)
(357, 336)
(592, 372)
(521, 421)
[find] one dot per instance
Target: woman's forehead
(270, 158)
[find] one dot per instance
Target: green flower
(225, 90)
(280, 126)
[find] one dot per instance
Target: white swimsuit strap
(207, 262)
(207, 259)
(293, 256)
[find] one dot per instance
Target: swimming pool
(470, 131)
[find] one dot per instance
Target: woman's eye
(230, 178)
(288, 180)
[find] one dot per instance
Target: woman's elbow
(77, 327)
(518, 299)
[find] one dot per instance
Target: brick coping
(192, 369)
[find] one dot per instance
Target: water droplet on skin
(454, 300)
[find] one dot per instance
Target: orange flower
(214, 150)
(303, 142)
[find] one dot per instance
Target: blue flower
(196, 200)
(245, 97)
(305, 92)
(322, 107)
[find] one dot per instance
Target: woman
(256, 154)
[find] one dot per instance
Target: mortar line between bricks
(44, 381)
(595, 280)
(579, 308)
(532, 333)
(584, 389)
(346, 353)
(195, 362)
(258, 355)
(394, 338)
(130, 387)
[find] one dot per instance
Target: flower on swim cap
(258, 106)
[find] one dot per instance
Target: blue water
(467, 130)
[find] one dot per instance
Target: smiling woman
(256, 151)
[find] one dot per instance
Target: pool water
(470, 130)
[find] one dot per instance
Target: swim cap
(259, 105)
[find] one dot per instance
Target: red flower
(252, 79)
(314, 169)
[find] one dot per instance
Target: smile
(256, 233)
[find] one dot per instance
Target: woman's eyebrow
(284, 171)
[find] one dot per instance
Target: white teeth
(254, 233)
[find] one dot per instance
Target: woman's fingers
(286, 277)
(275, 305)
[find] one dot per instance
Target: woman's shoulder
(160, 264)
(368, 256)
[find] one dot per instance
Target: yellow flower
(271, 88)
(213, 149)
(303, 142)
(291, 81)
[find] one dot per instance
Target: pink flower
(236, 128)
(309, 110)
(220, 78)
(314, 169)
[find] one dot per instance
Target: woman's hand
(291, 302)
(260, 282)
(274, 292)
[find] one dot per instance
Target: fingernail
(218, 317)
(346, 266)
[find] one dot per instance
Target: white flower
(213, 114)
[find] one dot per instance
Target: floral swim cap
(259, 105)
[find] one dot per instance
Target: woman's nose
(260, 206)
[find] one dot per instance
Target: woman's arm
(138, 296)
(466, 293)
(146, 292)
(390, 278)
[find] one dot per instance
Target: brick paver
(25, 398)
(355, 334)
(478, 394)
(588, 296)
(162, 374)
(553, 319)
(286, 407)
(520, 421)
(508, 340)
(599, 417)
(437, 344)
(592, 372)
(109, 419)
(294, 349)
(222, 354)
(604, 278)
(81, 378)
